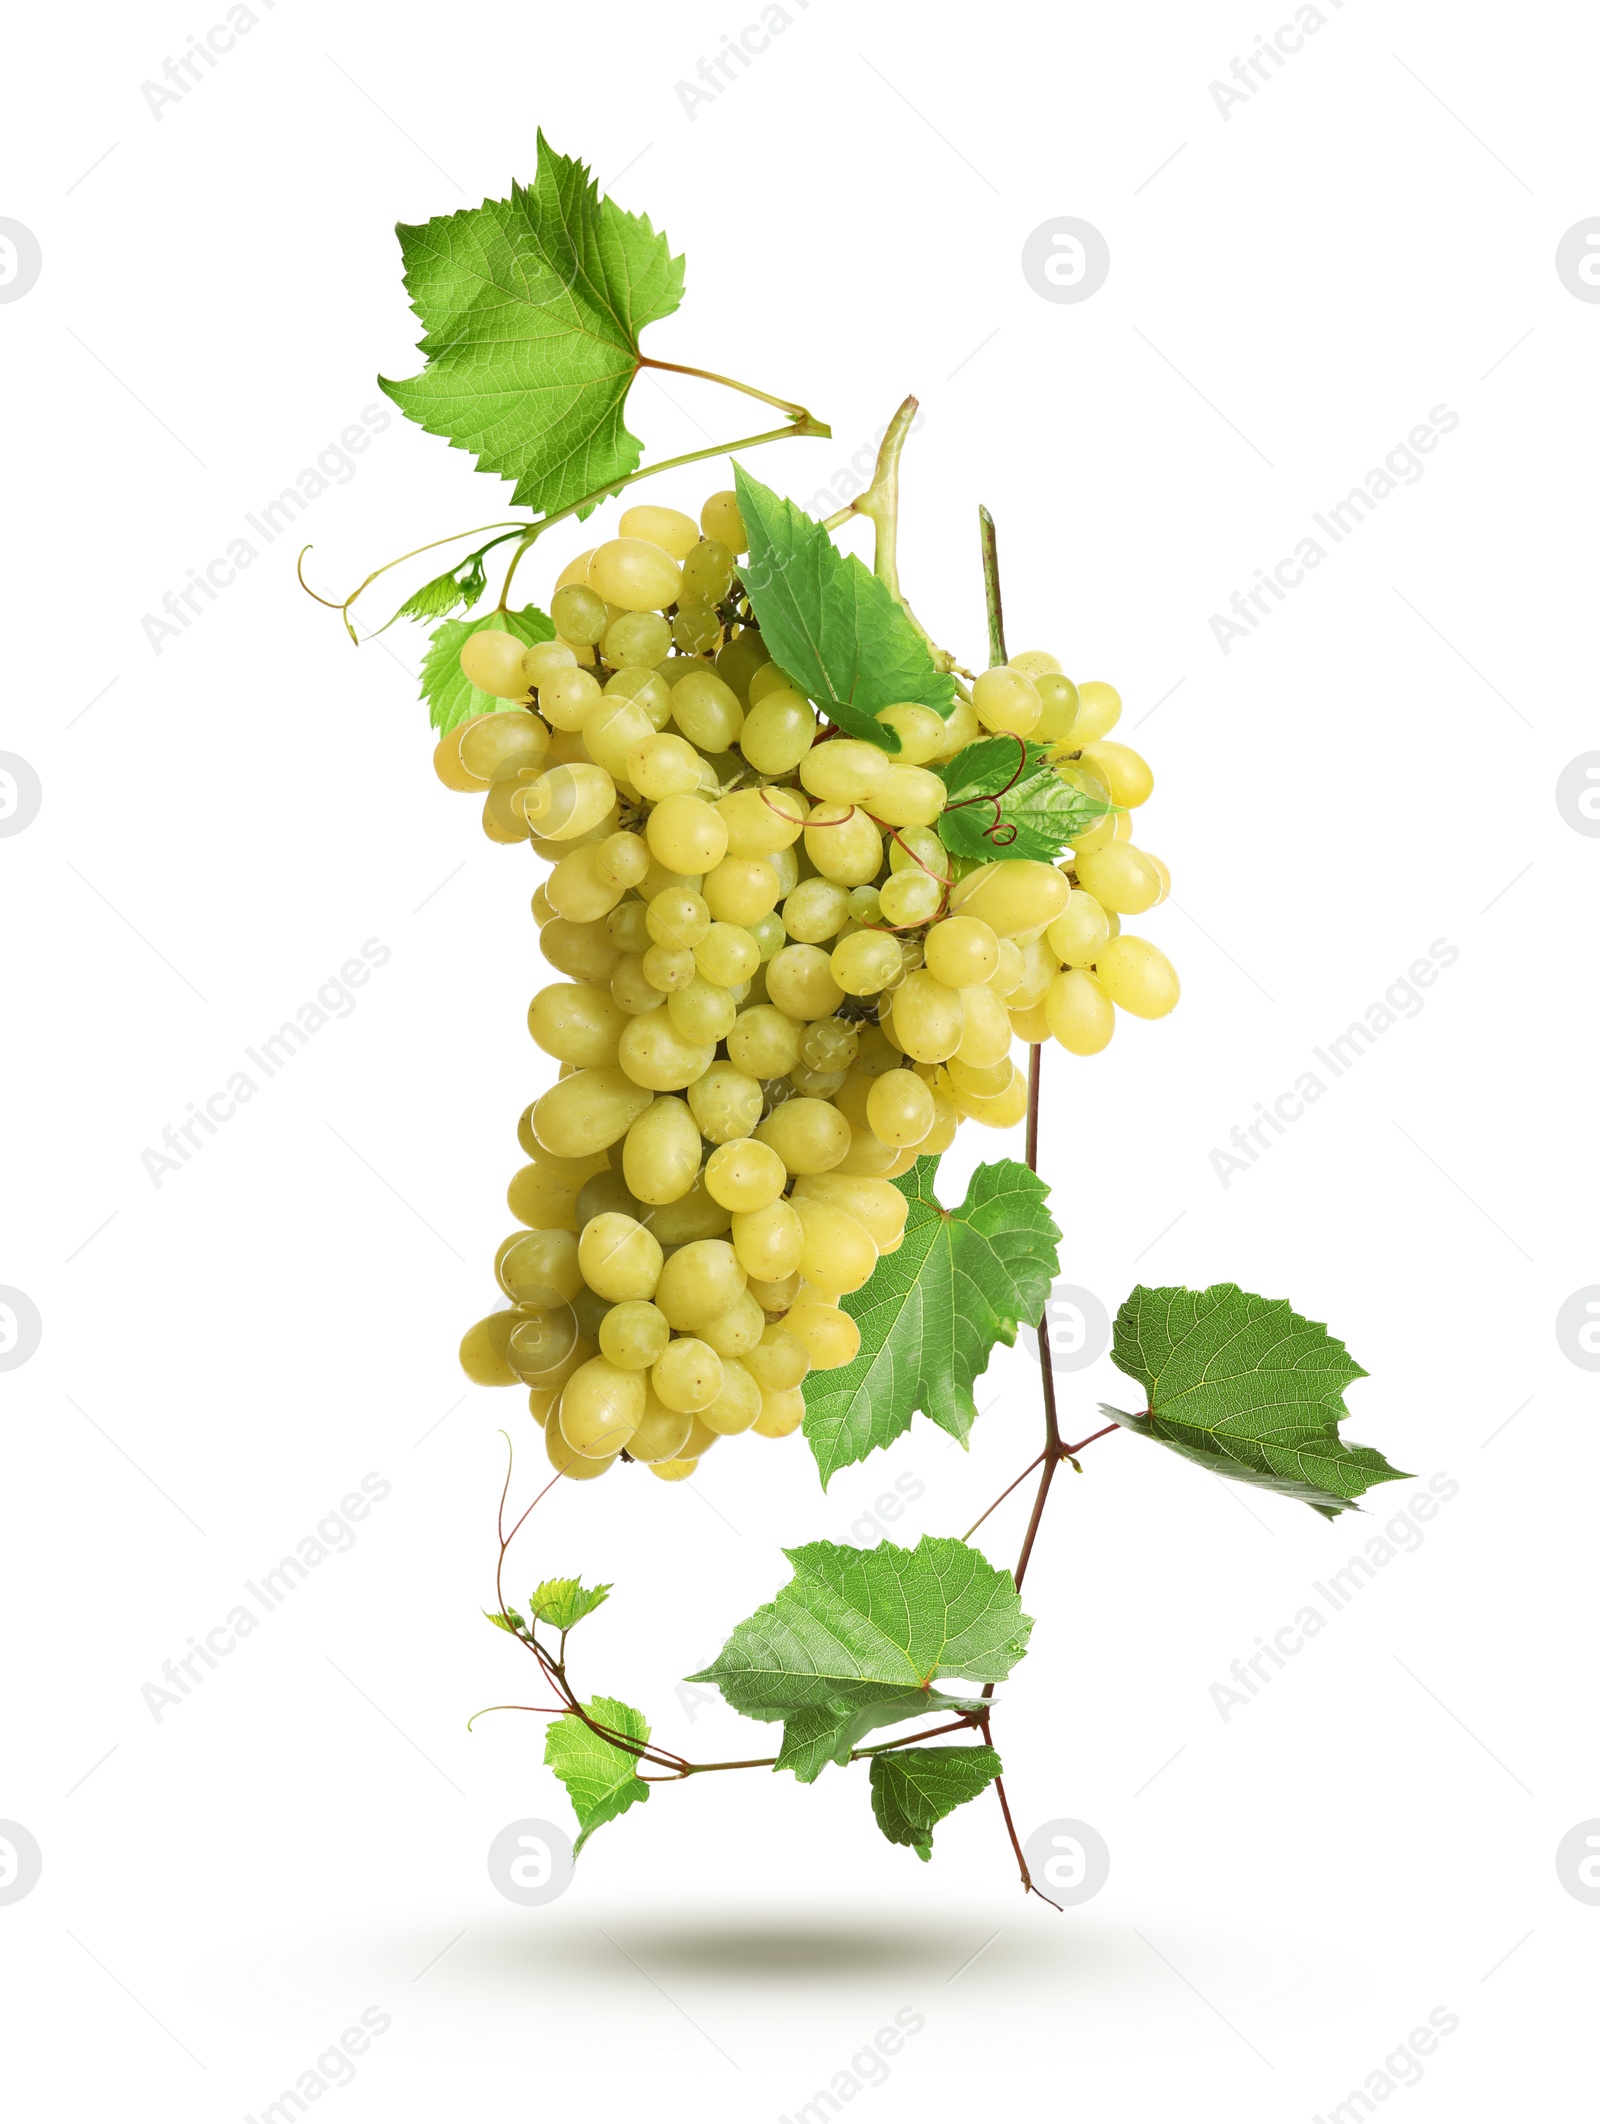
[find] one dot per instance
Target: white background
(1293, 1888)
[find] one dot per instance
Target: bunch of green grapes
(779, 989)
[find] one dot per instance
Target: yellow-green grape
(447, 758)
(566, 699)
(568, 1461)
(1137, 977)
(607, 1193)
(601, 1405)
(815, 910)
(801, 984)
(575, 888)
(541, 1340)
(1080, 931)
(525, 1134)
(910, 796)
(696, 628)
(503, 818)
(908, 898)
(491, 748)
(739, 660)
(900, 1107)
(992, 1077)
(844, 844)
(539, 906)
(670, 529)
(775, 1297)
(699, 1441)
(720, 519)
(1002, 1109)
(767, 679)
(1060, 698)
(612, 730)
(779, 732)
(764, 1042)
(727, 954)
(920, 730)
(769, 937)
(736, 1332)
(567, 801)
(725, 1102)
(661, 1152)
(741, 889)
(829, 1043)
(633, 1335)
(961, 952)
(664, 765)
(829, 1337)
(816, 1083)
(985, 1025)
(632, 989)
(1032, 1024)
(580, 615)
(737, 1405)
(865, 963)
(645, 687)
(927, 1017)
(1011, 896)
(744, 1175)
(1126, 772)
(636, 639)
(1010, 969)
(588, 1111)
(809, 1135)
(961, 728)
(844, 771)
(543, 1199)
(864, 910)
(687, 1376)
(1035, 662)
(678, 1469)
(576, 1022)
(541, 1402)
(677, 917)
(492, 660)
(686, 835)
(876, 1052)
(1038, 971)
(918, 848)
(693, 1216)
(661, 1437)
(1121, 877)
(882, 1209)
(768, 1241)
(658, 877)
(707, 571)
(782, 1411)
(1079, 1012)
(576, 570)
(706, 709)
(760, 822)
(1099, 706)
(542, 660)
(620, 1257)
(1005, 698)
(851, 1097)
(837, 1252)
(483, 1350)
(702, 1011)
(624, 858)
(581, 949)
(655, 1053)
(698, 1282)
(635, 575)
(779, 1361)
(1163, 874)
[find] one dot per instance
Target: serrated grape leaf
(510, 1621)
(829, 622)
(602, 1781)
(858, 1637)
(460, 586)
(913, 1789)
(1246, 1387)
(532, 308)
(561, 1602)
(449, 693)
(1011, 803)
(931, 1313)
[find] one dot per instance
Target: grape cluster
(780, 988)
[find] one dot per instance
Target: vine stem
(880, 501)
(678, 368)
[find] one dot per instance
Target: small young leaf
(533, 307)
(510, 1621)
(829, 622)
(915, 1788)
(931, 1313)
(449, 693)
(561, 1602)
(858, 1637)
(602, 1781)
(1039, 814)
(459, 586)
(1245, 1387)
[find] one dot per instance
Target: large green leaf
(913, 1789)
(449, 693)
(931, 1312)
(532, 308)
(1011, 804)
(858, 1637)
(1245, 1387)
(602, 1781)
(829, 622)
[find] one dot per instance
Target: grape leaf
(532, 308)
(461, 585)
(509, 1621)
(829, 622)
(602, 1781)
(859, 1636)
(561, 1602)
(449, 693)
(932, 1311)
(1044, 813)
(915, 1788)
(1245, 1387)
